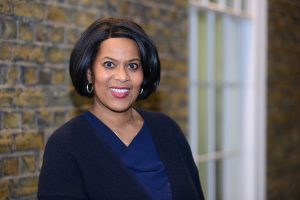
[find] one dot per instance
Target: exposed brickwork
(36, 37)
(283, 152)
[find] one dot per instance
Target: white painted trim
(219, 8)
(193, 79)
(217, 155)
(254, 143)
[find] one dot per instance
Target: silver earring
(89, 87)
(142, 90)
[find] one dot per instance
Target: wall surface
(283, 133)
(36, 37)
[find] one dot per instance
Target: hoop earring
(142, 90)
(89, 88)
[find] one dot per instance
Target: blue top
(140, 157)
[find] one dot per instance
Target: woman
(115, 151)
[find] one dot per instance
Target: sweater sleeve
(60, 177)
(187, 154)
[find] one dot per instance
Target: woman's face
(117, 74)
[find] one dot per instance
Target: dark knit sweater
(78, 165)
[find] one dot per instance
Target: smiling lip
(119, 92)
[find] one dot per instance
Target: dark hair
(86, 49)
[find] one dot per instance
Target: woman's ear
(89, 75)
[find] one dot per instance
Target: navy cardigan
(79, 165)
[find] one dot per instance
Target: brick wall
(283, 152)
(36, 37)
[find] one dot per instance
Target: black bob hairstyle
(86, 49)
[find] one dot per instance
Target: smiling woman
(115, 151)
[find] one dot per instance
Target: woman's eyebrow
(109, 58)
(135, 59)
(130, 60)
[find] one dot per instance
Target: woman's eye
(108, 64)
(133, 66)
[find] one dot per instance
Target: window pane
(244, 5)
(231, 175)
(202, 47)
(220, 181)
(235, 119)
(202, 123)
(203, 172)
(219, 49)
(235, 51)
(211, 164)
(229, 3)
(219, 118)
(218, 81)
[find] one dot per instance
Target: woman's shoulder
(155, 115)
(159, 120)
(69, 130)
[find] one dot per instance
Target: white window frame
(254, 110)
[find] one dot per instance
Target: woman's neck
(116, 119)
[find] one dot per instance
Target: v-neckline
(106, 150)
(118, 140)
(109, 134)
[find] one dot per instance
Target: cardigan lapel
(104, 168)
(163, 135)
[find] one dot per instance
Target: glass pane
(232, 118)
(202, 123)
(219, 180)
(202, 47)
(235, 118)
(231, 178)
(244, 5)
(229, 3)
(211, 179)
(241, 61)
(219, 49)
(202, 167)
(235, 51)
(218, 81)
(219, 117)
(228, 119)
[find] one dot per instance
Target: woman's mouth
(120, 92)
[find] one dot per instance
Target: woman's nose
(121, 74)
